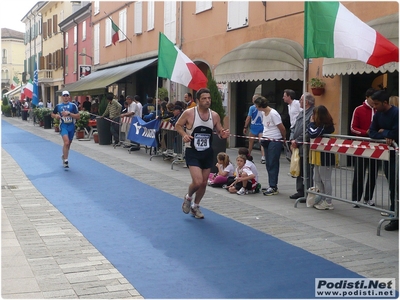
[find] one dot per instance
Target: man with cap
(67, 112)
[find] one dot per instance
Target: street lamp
(84, 54)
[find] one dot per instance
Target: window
(96, 44)
(238, 14)
(84, 31)
(96, 7)
(202, 6)
(108, 32)
(138, 17)
(150, 15)
(75, 34)
(75, 62)
(55, 24)
(66, 40)
(122, 25)
(4, 56)
(170, 20)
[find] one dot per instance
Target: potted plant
(96, 137)
(38, 115)
(317, 86)
(56, 124)
(81, 124)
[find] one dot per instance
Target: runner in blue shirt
(67, 112)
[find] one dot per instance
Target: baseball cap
(65, 93)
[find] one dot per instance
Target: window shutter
(55, 24)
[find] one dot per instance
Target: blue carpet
(162, 252)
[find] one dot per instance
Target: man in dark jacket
(307, 102)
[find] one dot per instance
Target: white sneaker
(263, 159)
(323, 205)
(371, 202)
(242, 191)
(187, 202)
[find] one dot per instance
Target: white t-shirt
(253, 168)
(270, 122)
(138, 111)
(294, 110)
(132, 108)
(230, 169)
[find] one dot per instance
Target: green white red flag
(28, 89)
(114, 32)
(176, 66)
(15, 82)
(331, 30)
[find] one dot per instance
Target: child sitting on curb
(245, 181)
(225, 169)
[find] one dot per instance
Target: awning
(96, 82)
(388, 26)
(13, 92)
(266, 59)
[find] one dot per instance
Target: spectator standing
(113, 111)
(67, 113)
(189, 100)
(273, 135)
(394, 100)
(196, 126)
(360, 123)
(131, 107)
(95, 107)
(294, 107)
(49, 104)
(148, 107)
(87, 106)
(321, 122)
(139, 106)
(254, 119)
(296, 138)
(385, 125)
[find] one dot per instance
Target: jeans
(272, 152)
(114, 128)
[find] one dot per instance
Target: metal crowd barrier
(171, 146)
(123, 132)
(377, 155)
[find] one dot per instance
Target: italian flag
(176, 66)
(28, 90)
(114, 32)
(15, 82)
(331, 30)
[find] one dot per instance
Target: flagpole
(118, 27)
(305, 154)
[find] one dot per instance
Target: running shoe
(195, 211)
(187, 201)
(242, 191)
(271, 191)
(65, 164)
(323, 205)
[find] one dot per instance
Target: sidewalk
(34, 233)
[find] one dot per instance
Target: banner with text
(144, 133)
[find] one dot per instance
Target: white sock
(194, 205)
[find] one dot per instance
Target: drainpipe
(77, 50)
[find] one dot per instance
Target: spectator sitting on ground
(250, 163)
(225, 169)
(245, 181)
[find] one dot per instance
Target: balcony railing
(45, 76)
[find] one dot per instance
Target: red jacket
(362, 118)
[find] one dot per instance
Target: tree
(216, 100)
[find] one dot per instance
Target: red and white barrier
(351, 147)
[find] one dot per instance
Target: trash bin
(24, 115)
(47, 122)
(103, 129)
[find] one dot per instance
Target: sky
(11, 13)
